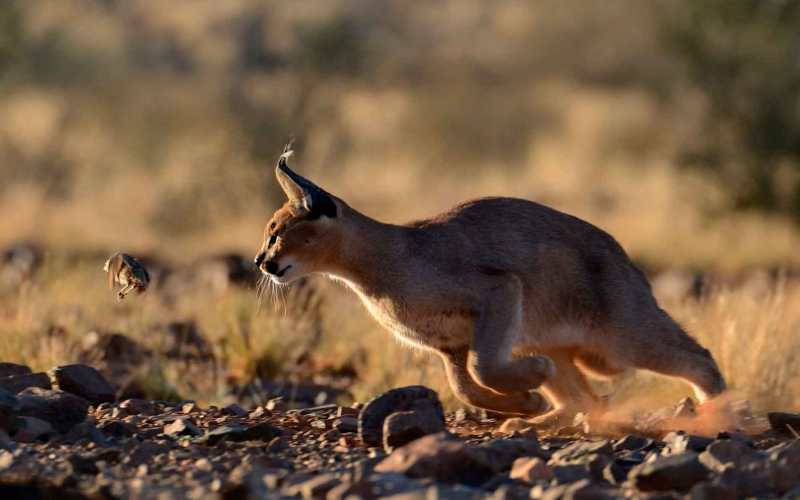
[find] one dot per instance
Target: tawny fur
(512, 295)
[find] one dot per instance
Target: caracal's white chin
(291, 273)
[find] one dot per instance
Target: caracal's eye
(272, 240)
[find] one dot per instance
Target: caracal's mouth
(280, 273)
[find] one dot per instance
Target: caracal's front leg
(467, 390)
(499, 323)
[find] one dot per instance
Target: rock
(238, 433)
(182, 426)
(62, 409)
(441, 457)
(531, 470)
(403, 427)
(673, 472)
(712, 490)
(83, 464)
(9, 405)
(632, 443)
(84, 381)
(615, 473)
(119, 358)
(678, 442)
(117, 428)
(785, 423)
(137, 406)
(584, 489)
(235, 410)
(86, 431)
(316, 487)
(728, 452)
(13, 369)
(503, 452)
(17, 383)
(580, 449)
(375, 412)
(784, 462)
(346, 423)
(30, 429)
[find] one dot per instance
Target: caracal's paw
(559, 417)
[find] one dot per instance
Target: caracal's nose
(260, 258)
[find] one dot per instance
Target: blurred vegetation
(745, 57)
(169, 119)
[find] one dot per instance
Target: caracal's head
(300, 237)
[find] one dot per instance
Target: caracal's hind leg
(668, 350)
(467, 390)
(497, 328)
(569, 392)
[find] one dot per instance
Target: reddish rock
(17, 383)
(62, 409)
(412, 398)
(12, 369)
(84, 381)
(531, 470)
(403, 427)
(441, 457)
(30, 429)
(674, 472)
(786, 423)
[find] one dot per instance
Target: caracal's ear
(302, 191)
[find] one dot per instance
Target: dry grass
(752, 331)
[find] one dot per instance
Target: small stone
(84, 381)
(440, 457)
(372, 416)
(403, 427)
(83, 464)
(182, 426)
(9, 405)
(12, 369)
(137, 407)
(582, 489)
(258, 412)
(728, 452)
(531, 470)
(62, 409)
(238, 433)
(235, 410)
(317, 487)
(503, 452)
(632, 443)
(346, 423)
(187, 408)
(30, 429)
(615, 473)
(673, 472)
(117, 428)
(785, 423)
(678, 442)
(17, 383)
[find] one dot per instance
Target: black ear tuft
(322, 204)
(301, 190)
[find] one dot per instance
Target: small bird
(128, 272)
